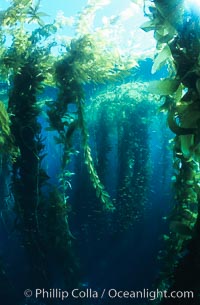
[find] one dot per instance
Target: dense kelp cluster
(89, 127)
(25, 65)
(41, 210)
(122, 119)
(176, 31)
(121, 156)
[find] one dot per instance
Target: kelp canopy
(36, 56)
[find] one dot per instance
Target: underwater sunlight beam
(193, 5)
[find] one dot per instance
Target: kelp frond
(6, 139)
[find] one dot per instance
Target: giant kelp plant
(27, 64)
(71, 72)
(176, 29)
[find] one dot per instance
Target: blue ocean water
(82, 246)
(110, 254)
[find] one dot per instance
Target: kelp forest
(100, 154)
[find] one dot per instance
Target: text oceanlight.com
(112, 293)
